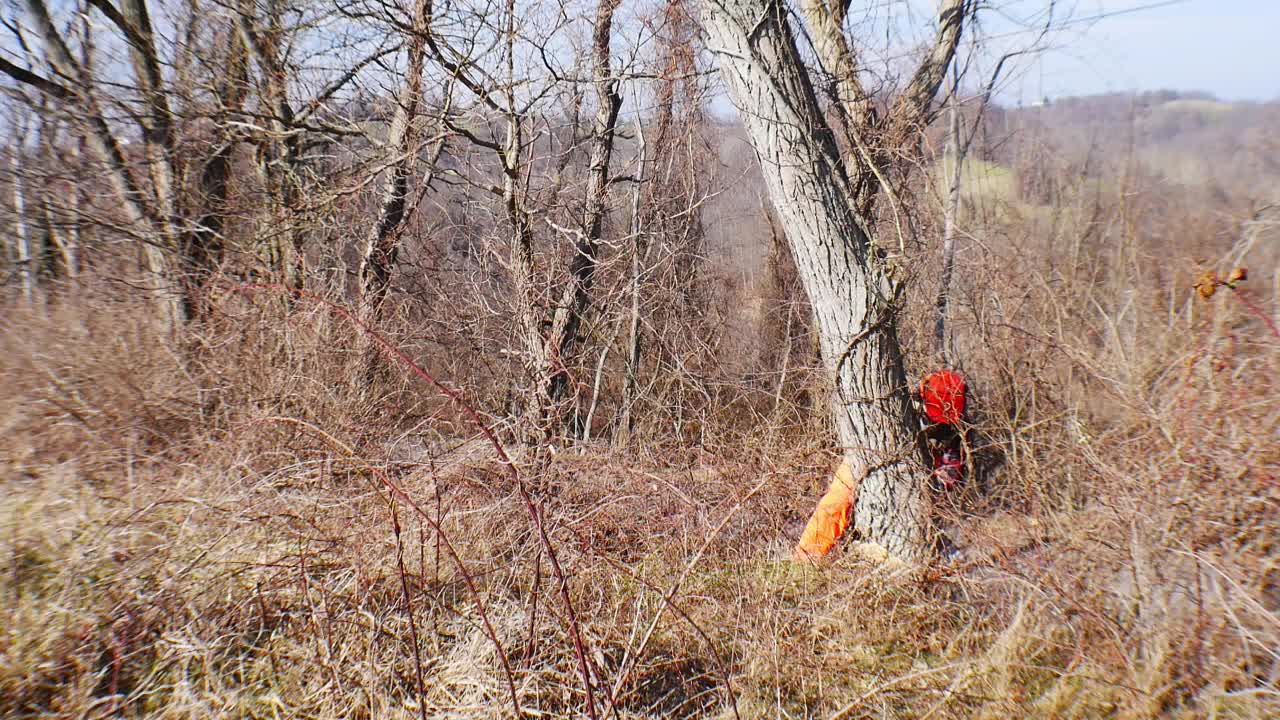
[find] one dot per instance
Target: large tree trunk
(851, 295)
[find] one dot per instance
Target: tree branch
(826, 27)
(913, 106)
(43, 84)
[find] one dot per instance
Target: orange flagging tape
(831, 518)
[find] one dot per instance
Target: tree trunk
(551, 339)
(957, 151)
(639, 251)
(135, 205)
(279, 158)
(206, 244)
(133, 20)
(26, 266)
(157, 124)
(879, 148)
(566, 324)
(382, 242)
(851, 295)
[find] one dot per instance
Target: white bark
(851, 296)
(957, 150)
(382, 242)
(23, 235)
(135, 206)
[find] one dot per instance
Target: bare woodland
(440, 359)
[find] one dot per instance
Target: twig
(408, 606)
(574, 627)
(467, 577)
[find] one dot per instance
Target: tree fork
(852, 295)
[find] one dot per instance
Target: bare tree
(547, 241)
(674, 172)
(382, 242)
(230, 91)
(280, 146)
(960, 137)
(148, 210)
(575, 298)
(824, 202)
(21, 229)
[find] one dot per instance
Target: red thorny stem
(443, 539)
(579, 647)
(1253, 308)
(408, 605)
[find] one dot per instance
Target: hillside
(439, 360)
(1187, 139)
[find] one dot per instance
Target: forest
(470, 359)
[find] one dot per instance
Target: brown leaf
(1207, 284)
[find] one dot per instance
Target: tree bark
(639, 251)
(879, 148)
(568, 317)
(382, 242)
(852, 296)
(551, 338)
(137, 207)
(206, 241)
(957, 150)
(279, 157)
(26, 266)
(134, 21)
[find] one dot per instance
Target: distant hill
(1225, 154)
(1186, 138)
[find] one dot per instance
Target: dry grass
(206, 529)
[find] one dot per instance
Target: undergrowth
(221, 525)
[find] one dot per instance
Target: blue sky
(1228, 47)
